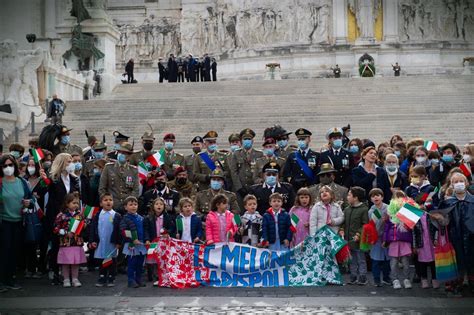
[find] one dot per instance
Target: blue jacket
(416, 193)
(361, 178)
(196, 227)
(132, 222)
(115, 237)
(269, 231)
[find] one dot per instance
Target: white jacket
(318, 217)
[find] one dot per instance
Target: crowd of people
(117, 200)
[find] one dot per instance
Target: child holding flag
(68, 225)
(326, 212)
(105, 239)
(188, 223)
(220, 225)
(276, 232)
(420, 188)
(299, 215)
(251, 222)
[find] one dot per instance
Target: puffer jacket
(268, 227)
(354, 220)
(394, 234)
(212, 227)
(318, 217)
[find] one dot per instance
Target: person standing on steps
(129, 70)
(396, 69)
(161, 69)
(207, 67)
(214, 69)
(172, 69)
(336, 71)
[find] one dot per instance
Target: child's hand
(197, 240)
(356, 237)
(241, 230)
(93, 245)
(147, 243)
(229, 235)
(137, 242)
(286, 243)
(178, 236)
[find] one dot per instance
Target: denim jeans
(135, 268)
(381, 266)
(358, 264)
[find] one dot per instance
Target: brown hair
(376, 192)
(303, 192)
(329, 190)
(275, 196)
(130, 199)
(70, 197)
(151, 209)
(249, 197)
(418, 170)
(11, 158)
(217, 200)
(184, 201)
(358, 192)
(398, 194)
(106, 194)
(392, 139)
(367, 150)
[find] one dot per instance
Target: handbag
(33, 226)
(445, 260)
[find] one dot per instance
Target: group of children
(390, 255)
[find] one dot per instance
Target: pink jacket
(212, 227)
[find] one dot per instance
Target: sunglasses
(7, 165)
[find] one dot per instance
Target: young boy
(420, 188)
(188, 224)
(378, 254)
(251, 222)
(133, 247)
(355, 216)
(106, 239)
(276, 233)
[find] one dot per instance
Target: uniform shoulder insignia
(133, 166)
(109, 163)
(179, 154)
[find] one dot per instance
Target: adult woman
(368, 175)
(394, 139)
(63, 182)
(355, 148)
(417, 156)
(15, 195)
(396, 179)
(468, 159)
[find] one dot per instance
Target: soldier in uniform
(338, 157)
(282, 137)
(197, 144)
(119, 139)
(268, 155)
(147, 142)
(208, 161)
(271, 185)
(182, 184)
(396, 69)
(336, 71)
(98, 150)
(326, 178)
(64, 144)
(346, 137)
(87, 151)
(160, 189)
(235, 144)
(204, 198)
(301, 167)
(173, 160)
(243, 164)
(120, 178)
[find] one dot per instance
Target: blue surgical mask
(99, 155)
(15, 154)
(337, 143)
(448, 158)
(96, 172)
(434, 161)
(397, 153)
(247, 143)
(302, 145)
(212, 148)
(121, 158)
(234, 147)
(77, 166)
(65, 139)
(270, 180)
(282, 143)
(269, 151)
(216, 184)
(354, 149)
(116, 146)
(169, 146)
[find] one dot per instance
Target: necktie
(303, 154)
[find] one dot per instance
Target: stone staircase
(439, 108)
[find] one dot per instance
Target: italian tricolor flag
(76, 226)
(409, 215)
(131, 234)
(179, 224)
(152, 249)
(236, 220)
(377, 214)
(294, 222)
(38, 154)
(89, 211)
(431, 145)
(142, 170)
(158, 158)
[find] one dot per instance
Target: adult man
(56, 110)
(173, 160)
(214, 69)
(268, 155)
(160, 189)
(147, 143)
(396, 69)
(87, 151)
(336, 71)
(180, 65)
(64, 144)
(234, 145)
(243, 163)
(207, 67)
(326, 178)
(346, 138)
(182, 184)
(129, 70)
(208, 161)
(338, 157)
(98, 152)
(216, 186)
(119, 140)
(301, 167)
(120, 178)
(172, 69)
(282, 136)
(191, 68)
(197, 144)
(161, 70)
(271, 184)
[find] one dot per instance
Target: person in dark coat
(191, 68)
(160, 189)
(439, 173)
(129, 70)
(397, 180)
(197, 69)
(180, 65)
(207, 68)
(214, 69)
(172, 69)
(396, 69)
(161, 69)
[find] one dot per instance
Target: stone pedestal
(339, 11)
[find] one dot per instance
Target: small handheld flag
(294, 222)
(76, 226)
(409, 215)
(236, 220)
(158, 158)
(89, 212)
(38, 154)
(377, 214)
(152, 249)
(430, 145)
(179, 224)
(466, 170)
(131, 234)
(142, 170)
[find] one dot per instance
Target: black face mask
(196, 150)
(148, 146)
(181, 181)
(160, 185)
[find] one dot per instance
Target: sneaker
(386, 282)
(101, 282)
(13, 286)
(76, 283)
(396, 284)
(353, 280)
(155, 284)
(407, 284)
(377, 284)
(132, 284)
(425, 284)
(362, 280)
(67, 283)
(111, 283)
(435, 284)
(37, 275)
(28, 275)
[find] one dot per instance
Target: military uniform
(340, 159)
(339, 191)
(119, 138)
(140, 156)
(187, 190)
(261, 162)
(173, 160)
(284, 153)
(170, 196)
(263, 192)
(204, 198)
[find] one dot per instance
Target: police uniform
(119, 138)
(189, 160)
(339, 191)
(294, 173)
(119, 180)
(173, 160)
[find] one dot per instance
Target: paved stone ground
(39, 297)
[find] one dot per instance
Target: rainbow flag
(445, 263)
(409, 215)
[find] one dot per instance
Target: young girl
(188, 224)
(71, 254)
(302, 210)
(326, 212)
(219, 222)
(157, 223)
(251, 222)
(424, 248)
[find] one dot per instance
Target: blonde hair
(462, 176)
(330, 191)
(184, 201)
(59, 165)
(152, 205)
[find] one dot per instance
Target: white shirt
(187, 229)
(66, 181)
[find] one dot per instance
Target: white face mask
(31, 170)
(9, 170)
(420, 159)
(70, 168)
(467, 158)
(459, 187)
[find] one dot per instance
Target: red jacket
(212, 227)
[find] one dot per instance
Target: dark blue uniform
(341, 161)
(294, 174)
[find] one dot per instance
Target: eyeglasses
(7, 165)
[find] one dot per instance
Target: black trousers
(109, 271)
(10, 244)
(129, 77)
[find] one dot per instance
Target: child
(379, 254)
(157, 223)
(132, 227)
(219, 222)
(326, 212)
(424, 248)
(251, 222)
(276, 233)
(399, 239)
(420, 188)
(302, 210)
(106, 240)
(71, 254)
(355, 216)
(191, 228)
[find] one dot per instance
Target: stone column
(50, 19)
(390, 20)
(339, 18)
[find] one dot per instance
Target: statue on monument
(79, 11)
(366, 13)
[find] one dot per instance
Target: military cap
(268, 141)
(125, 147)
(217, 173)
(119, 136)
(247, 134)
(100, 163)
(65, 130)
(326, 168)
(271, 166)
(148, 136)
(197, 139)
(169, 136)
(302, 133)
(178, 170)
(234, 137)
(333, 132)
(160, 173)
(99, 145)
(210, 135)
(345, 128)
